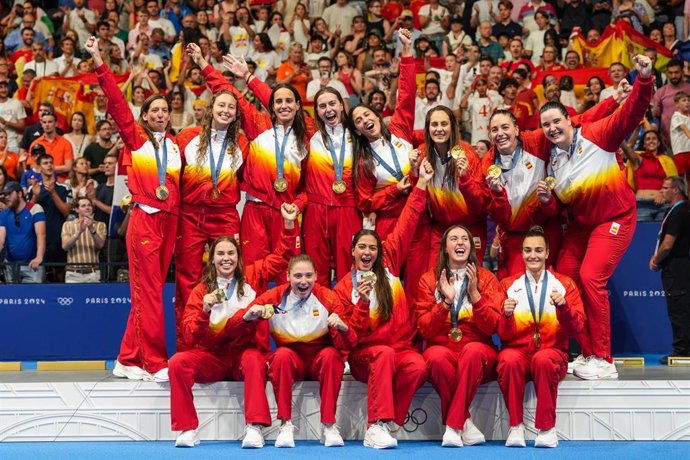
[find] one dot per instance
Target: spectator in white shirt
(42, 66)
(339, 16)
(325, 68)
(82, 20)
(432, 98)
(67, 62)
(141, 27)
(156, 21)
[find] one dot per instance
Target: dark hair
(83, 119)
(554, 105)
(232, 132)
(675, 63)
(506, 113)
(265, 41)
(300, 258)
(443, 259)
(382, 288)
(49, 114)
(319, 122)
(27, 28)
(661, 148)
(536, 232)
(100, 123)
(521, 72)
(210, 277)
(602, 85)
(361, 148)
(44, 156)
(370, 96)
(145, 107)
(299, 126)
(506, 82)
(449, 178)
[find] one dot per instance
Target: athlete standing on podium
(153, 163)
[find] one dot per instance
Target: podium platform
(650, 403)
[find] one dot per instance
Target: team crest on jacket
(528, 165)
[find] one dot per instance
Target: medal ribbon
(215, 169)
(570, 153)
(516, 158)
(230, 288)
(280, 151)
(298, 304)
(457, 305)
(397, 172)
(542, 299)
(162, 165)
(338, 165)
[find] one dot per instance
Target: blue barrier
(86, 321)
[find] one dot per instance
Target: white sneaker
(346, 371)
(129, 372)
(451, 438)
(286, 435)
(379, 437)
(331, 436)
(188, 438)
(546, 438)
(159, 377)
(596, 369)
(516, 436)
(253, 438)
(577, 362)
(471, 435)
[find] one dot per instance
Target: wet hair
(506, 113)
(210, 277)
(554, 105)
(300, 258)
(319, 122)
(444, 259)
(382, 288)
(449, 178)
(536, 232)
(361, 148)
(299, 126)
(205, 136)
(145, 107)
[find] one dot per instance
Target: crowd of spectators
(492, 52)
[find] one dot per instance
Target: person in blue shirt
(23, 234)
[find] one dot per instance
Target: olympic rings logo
(416, 418)
(65, 301)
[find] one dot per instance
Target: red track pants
(511, 247)
(478, 230)
(200, 366)
(199, 226)
(392, 378)
(590, 256)
(456, 377)
(546, 368)
(261, 229)
(328, 233)
(150, 243)
(417, 259)
(287, 366)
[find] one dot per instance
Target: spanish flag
(580, 79)
(70, 94)
(635, 43)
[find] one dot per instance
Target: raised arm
(398, 242)
(117, 105)
(402, 122)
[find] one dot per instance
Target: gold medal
(339, 186)
(269, 311)
(550, 182)
(125, 203)
(537, 339)
(162, 192)
(494, 172)
(457, 152)
(215, 194)
(369, 276)
(219, 294)
(455, 335)
(280, 184)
